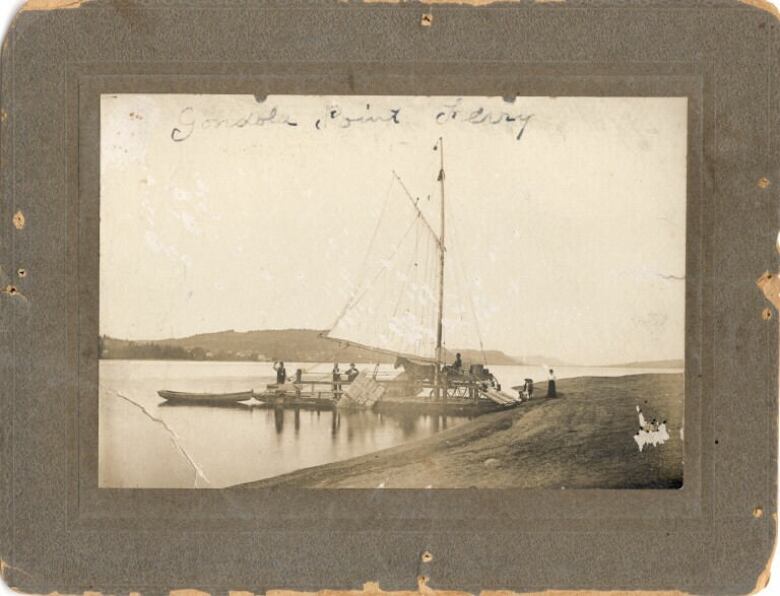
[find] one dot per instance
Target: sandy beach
(583, 439)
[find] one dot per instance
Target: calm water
(151, 444)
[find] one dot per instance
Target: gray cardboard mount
(58, 531)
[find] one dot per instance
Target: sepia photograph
(401, 292)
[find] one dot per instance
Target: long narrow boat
(221, 405)
(181, 396)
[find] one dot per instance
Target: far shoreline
(649, 367)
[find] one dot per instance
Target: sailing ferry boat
(398, 309)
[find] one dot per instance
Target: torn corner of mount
(769, 283)
(52, 4)
(764, 5)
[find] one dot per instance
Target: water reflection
(360, 422)
(335, 423)
(231, 443)
(235, 443)
(358, 425)
(439, 423)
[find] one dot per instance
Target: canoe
(181, 396)
(222, 405)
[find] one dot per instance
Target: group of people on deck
(351, 373)
(455, 369)
(281, 373)
(481, 374)
(475, 373)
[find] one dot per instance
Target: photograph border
(58, 532)
(508, 507)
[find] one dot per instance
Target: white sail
(393, 308)
(396, 305)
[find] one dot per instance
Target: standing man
(336, 378)
(457, 366)
(551, 392)
(281, 373)
(352, 372)
(297, 380)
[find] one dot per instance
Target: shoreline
(650, 366)
(582, 439)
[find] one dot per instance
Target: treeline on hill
(293, 345)
(130, 350)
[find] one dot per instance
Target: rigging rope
(379, 273)
(455, 236)
(364, 265)
(417, 207)
(381, 313)
(404, 285)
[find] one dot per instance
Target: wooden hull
(295, 402)
(449, 407)
(205, 398)
(226, 405)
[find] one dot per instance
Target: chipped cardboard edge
(764, 5)
(762, 581)
(769, 284)
(51, 4)
(42, 5)
(373, 589)
(462, 2)
(38, 5)
(19, 220)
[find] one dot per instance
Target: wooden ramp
(499, 397)
(363, 392)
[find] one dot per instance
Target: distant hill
(538, 360)
(476, 357)
(678, 363)
(294, 345)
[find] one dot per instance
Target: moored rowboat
(206, 397)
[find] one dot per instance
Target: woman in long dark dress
(551, 384)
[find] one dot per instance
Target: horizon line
(520, 360)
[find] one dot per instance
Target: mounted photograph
(395, 292)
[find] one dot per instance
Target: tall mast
(437, 381)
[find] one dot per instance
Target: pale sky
(228, 212)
